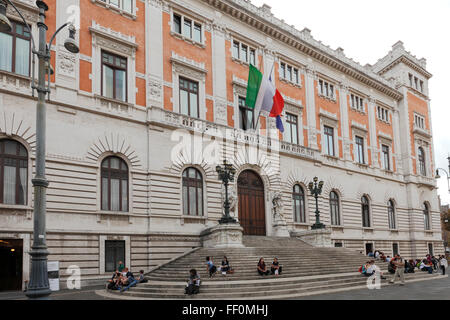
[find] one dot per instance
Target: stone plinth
(280, 228)
(316, 238)
(227, 235)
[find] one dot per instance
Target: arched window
(14, 172)
(334, 209)
(114, 184)
(391, 214)
(365, 212)
(299, 204)
(421, 157)
(426, 216)
(192, 192)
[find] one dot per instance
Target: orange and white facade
(180, 78)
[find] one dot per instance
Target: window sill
(240, 61)
(332, 99)
(188, 40)
(368, 229)
(393, 230)
(330, 157)
(362, 165)
(292, 83)
(15, 206)
(384, 121)
(116, 9)
(358, 110)
(16, 75)
(185, 219)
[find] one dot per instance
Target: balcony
(421, 131)
(179, 121)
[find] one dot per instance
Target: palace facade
(139, 119)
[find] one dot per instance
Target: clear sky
(366, 30)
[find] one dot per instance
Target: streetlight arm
(446, 173)
(54, 35)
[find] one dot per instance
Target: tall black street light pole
(226, 174)
(38, 286)
(316, 190)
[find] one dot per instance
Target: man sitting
(275, 268)
(130, 280)
(193, 285)
(426, 266)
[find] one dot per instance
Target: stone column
(219, 71)
(345, 127)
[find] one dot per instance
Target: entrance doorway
(11, 264)
(369, 248)
(252, 213)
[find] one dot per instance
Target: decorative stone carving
(66, 62)
(222, 236)
(279, 225)
(155, 89)
(220, 111)
(114, 40)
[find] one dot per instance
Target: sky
(366, 30)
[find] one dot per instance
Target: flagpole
(259, 114)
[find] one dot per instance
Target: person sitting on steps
(262, 269)
(225, 267)
(372, 269)
(210, 267)
(276, 268)
(193, 285)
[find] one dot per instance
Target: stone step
(251, 291)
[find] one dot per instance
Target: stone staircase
(306, 270)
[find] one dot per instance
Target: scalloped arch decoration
(14, 126)
(115, 143)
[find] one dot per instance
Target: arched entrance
(252, 213)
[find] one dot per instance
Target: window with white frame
(291, 129)
(244, 52)
(359, 141)
(289, 73)
(329, 140)
(15, 49)
(125, 5)
(419, 121)
(326, 89)
(421, 159)
(187, 27)
(415, 82)
(386, 157)
(391, 215)
(356, 102)
(382, 114)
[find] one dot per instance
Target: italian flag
(262, 95)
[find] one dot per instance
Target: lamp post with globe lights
(38, 286)
(316, 189)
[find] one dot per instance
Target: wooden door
(252, 215)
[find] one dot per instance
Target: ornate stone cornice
(114, 40)
(27, 8)
(263, 20)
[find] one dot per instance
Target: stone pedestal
(227, 235)
(316, 238)
(280, 228)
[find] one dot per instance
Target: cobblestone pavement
(438, 289)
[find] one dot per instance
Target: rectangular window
(326, 89)
(283, 70)
(189, 101)
(114, 253)
(394, 249)
(235, 49)
(356, 102)
(329, 140)
(289, 73)
(359, 149)
(243, 52)
(187, 28)
(419, 121)
(430, 249)
(410, 79)
(421, 86)
(252, 56)
(246, 115)
(114, 76)
(125, 5)
(291, 131)
(177, 23)
(15, 48)
(386, 161)
(197, 32)
(382, 114)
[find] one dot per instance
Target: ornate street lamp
(447, 173)
(226, 174)
(316, 190)
(38, 286)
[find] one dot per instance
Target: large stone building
(156, 79)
